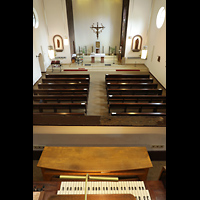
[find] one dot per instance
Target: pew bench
(67, 75)
(58, 114)
(66, 80)
(63, 106)
(129, 80)
(138, 114)
(131, 85)
(59, 98)
(136, 98)
(134, 91)
(127, 76)
(63, 85)
(139, 106)
(61, 91)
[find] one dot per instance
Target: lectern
(127, 163)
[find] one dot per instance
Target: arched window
(35, 19)
(160, 17)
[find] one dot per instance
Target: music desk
(130, 163)
(47, 190)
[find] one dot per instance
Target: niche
(58, 43)
(136, 43)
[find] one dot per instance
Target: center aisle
(97, 99)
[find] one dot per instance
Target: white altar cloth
(97, 55)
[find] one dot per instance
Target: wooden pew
(60, 91)
(134, 91)
(139, 106)
(131, 85)
(63, 85)
(57, 114)
(136, 98)
(64, 106)
(66, 80)
(67, 75)
(127, 76)
(129, 80)
(138, 114)
(59, 98)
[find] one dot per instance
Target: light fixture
(144, 53)
(51, 52)
(66, 41)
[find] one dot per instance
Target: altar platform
(110, 64)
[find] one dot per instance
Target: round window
(160, 17)
(35, 19)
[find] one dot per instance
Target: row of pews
(134, 95)
(62, 94)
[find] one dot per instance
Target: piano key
(148, 195)
(136, 188)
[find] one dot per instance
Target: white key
(140, 185)
(61, 188)
(126, 186)
(75, 191)
(137, 195)
(112, 190)
(71, 188)
(115, 185)
(106, 188)
(121, 187)
(99, 189)
(95, 187)
(143, 194)
(67, 184)
(92, 188)
(82, 188)
(148, 195)
(143, 185)
(103, 187)
(89, 187)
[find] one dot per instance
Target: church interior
(99, 89)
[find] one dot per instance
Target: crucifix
(97, 29)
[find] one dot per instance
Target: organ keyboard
(136, 188)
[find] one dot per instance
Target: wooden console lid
(94, 159)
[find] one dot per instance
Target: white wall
(157, 41)
(56, 17)
(40, 42)
(87, 12)
(138, 23)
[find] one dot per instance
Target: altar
(93, 55)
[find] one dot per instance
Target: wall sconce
(51, 52)
(66, 41)
(144, 53)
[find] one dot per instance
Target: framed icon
(58, 43)
(136, 43)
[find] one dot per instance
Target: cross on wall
(97, 29)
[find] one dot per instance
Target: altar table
(93, 55)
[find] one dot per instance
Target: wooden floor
(97, 99)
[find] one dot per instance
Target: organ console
(96, 173)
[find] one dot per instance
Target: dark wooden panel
(124, 22)
(70, 20)
(65, 120)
